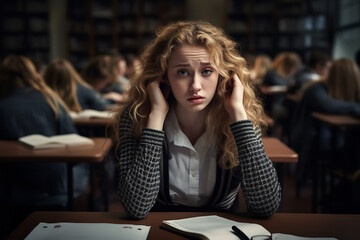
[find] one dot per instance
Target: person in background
(29, 106)
(132, 63)
(99, 73)
(78, 95)
(284, 66)
(262, 65)
(175, 151)
(317, 67)
(338, 93)
(120, 68)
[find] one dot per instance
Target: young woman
(78, 95)
(29, 106)
(188, 137)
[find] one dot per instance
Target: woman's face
(192, 79)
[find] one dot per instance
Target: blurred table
(279, 152)
(14, 152)
(338, 120)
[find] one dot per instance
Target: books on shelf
(89, 231)
(90, 113)
(38, 141)
(214, 227)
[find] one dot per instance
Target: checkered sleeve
(139, 168)
(259, 181)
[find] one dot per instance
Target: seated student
(262, 65)
(99, 73)
(29, 106)
(338, 93)
(284, 66)
(189, 136)
(132, 64)
(120, 68)
(317, 67)
(78, 95)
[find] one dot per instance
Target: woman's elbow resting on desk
(268, 205)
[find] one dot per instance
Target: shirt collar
(176, 136)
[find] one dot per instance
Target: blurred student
(29, 106)
(120, 69)
(133, 63)
(78, 95)
(338, 93)
(262, 65)
(317, 67)
(99, 73)
(284, 66)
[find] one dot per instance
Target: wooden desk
(343, 227)
(93, 122)
(338, 120)
(14, 151)
(272, 90)
(278, 152)
(296, 97)
(335, 122)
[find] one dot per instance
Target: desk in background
(273, 90)
(337, 120)
(279, 152)
(93, 122)
(342, 227)
(343, 123)
(14, 151)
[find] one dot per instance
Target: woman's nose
(195, 84)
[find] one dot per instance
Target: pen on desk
(239, 233)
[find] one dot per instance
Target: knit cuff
(152, 137)
(243, 131)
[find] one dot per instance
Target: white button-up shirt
(192, 169)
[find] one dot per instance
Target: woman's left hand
(234, 99)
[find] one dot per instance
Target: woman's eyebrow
(182, 65)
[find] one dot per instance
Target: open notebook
(213, 227)
(38, 141)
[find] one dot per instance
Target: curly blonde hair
(224, 57)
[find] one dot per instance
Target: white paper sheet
(88, 231)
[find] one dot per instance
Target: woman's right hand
(159, 105)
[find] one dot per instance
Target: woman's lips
(196, 99)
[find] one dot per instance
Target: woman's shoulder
(82, 88)
(315, 86)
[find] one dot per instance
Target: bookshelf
(24, 27)
(100, 26)
(272, 26)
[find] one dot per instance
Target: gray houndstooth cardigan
(144, 175)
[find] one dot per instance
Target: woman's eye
(182, 72)
(206, 72)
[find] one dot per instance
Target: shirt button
(194, 174)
